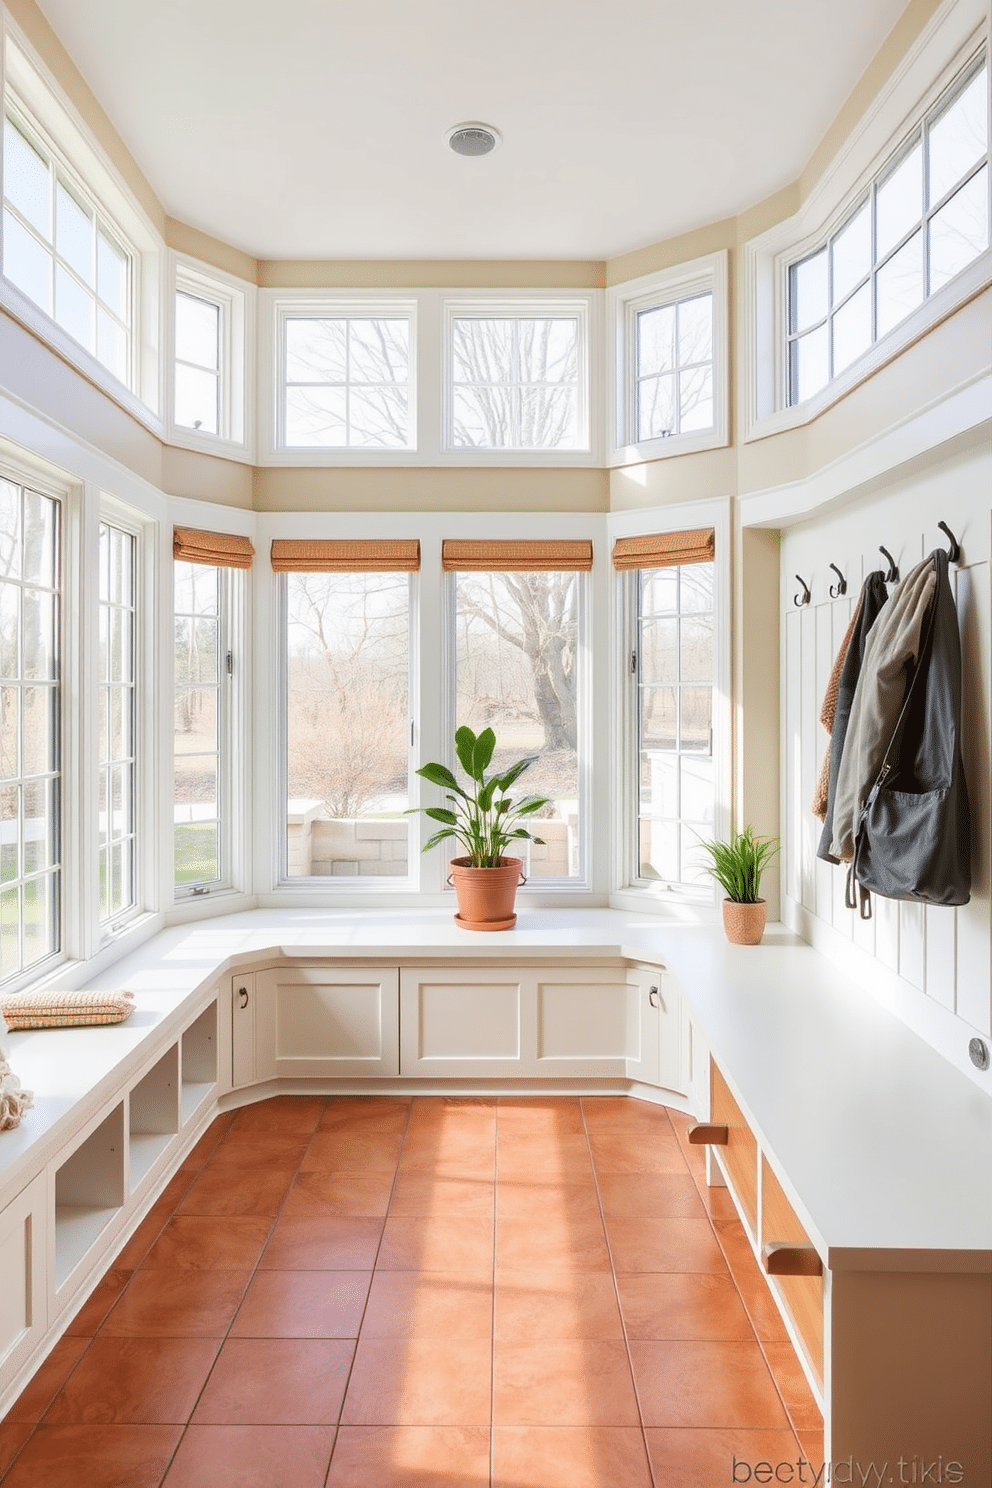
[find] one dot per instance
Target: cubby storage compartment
(740, 1156)
(199, 1061)
(153, 1116)
(89, 1193)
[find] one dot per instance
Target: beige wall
(425, 489)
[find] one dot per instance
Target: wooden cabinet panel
(656, 1041)
(803, 1295)
(243, 1034)
(327, 1022)
(740, 1156)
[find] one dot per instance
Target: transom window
(117, 803)
(198, 363)
(673, 371)
(62, 252)
(347, 382)
(923, 220)
(517, 382)
(30, 728)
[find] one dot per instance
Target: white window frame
(276, 310)
(630, 891)
(235, 302)
(33, 476)
(512, 307)
(33, 94)
(956, 34)
(624, 302)
(114, 921)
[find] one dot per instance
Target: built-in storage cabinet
(23, 1275)
(740, 1155)
(324, 1022)
(802, 1296)
(467, 1021)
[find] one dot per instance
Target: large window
(346, 382)
(674, 368)
(923, 220)
(200, 719)
(30, 728)
(517, 382)
(347, 719)
(518, 650)
(62, 252)
(118, 722)
(672, 672)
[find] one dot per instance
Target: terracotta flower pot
(744, 923)
(486, 895)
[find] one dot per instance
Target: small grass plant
(737, 865)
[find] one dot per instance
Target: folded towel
(57, 1009)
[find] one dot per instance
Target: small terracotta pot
(486, 895)
(744, 923)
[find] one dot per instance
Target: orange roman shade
(385, 555)
(221, 549)
(510, 557)
(665, 549)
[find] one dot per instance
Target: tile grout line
(375, 1263)
(616, 1293)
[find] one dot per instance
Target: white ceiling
(315, 128)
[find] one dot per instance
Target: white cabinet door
(509, 1022)
(243, 1037)
(656, 1040)
(643, 1025)
(23, 1276)
(581, 1022)
(326, 1022)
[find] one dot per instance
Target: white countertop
(880, 1143)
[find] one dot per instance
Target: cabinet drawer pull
(787, 1258)
(708, 1134)
(243, 997)
(654, 997)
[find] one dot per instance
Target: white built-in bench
(847, 1134)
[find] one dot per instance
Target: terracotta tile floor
(359, 1291)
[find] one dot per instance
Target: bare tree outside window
(515, 382)
(347, 382)
(347, 677)
(517, 639)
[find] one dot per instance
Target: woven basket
(65, 1009)
(744, 923)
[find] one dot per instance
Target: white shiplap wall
(931, 965)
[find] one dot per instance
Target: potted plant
(485, 819)
(737, 866)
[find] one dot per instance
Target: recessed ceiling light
(473, 138)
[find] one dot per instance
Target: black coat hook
(893, 573)
(954, 551)
(804, 598)
(836, 590)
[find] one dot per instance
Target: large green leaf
(514, 772)
(440, 775)
(439, 837)
(465, 742)
(483, 753)
(441, 814)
